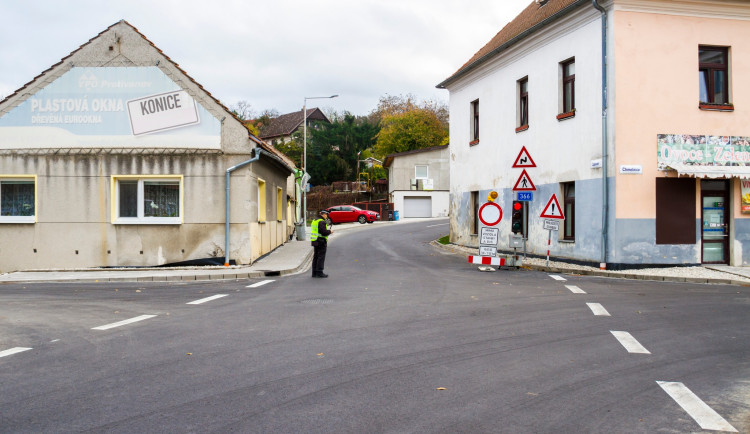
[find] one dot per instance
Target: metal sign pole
(549, 241)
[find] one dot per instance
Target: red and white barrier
(486, 260)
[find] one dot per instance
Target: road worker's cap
(324, 211)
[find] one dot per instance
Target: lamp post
(304, 162)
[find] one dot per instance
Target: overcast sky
(271, 53)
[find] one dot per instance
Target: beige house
(419, 182)
(116, 157)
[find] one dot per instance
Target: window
(147, 199)
(568, 69)
(421, 172)
(569, 197)
(279, 204)
(474, 122)
(523, 104)
(474, 217)
(18, 199)
(261, 200)
(713, 75)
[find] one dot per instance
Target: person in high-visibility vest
(319, 232)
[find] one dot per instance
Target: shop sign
(702, 150)
(745, 196)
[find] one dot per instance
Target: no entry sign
(490, 214)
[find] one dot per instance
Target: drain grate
(317, 301)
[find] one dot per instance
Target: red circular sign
(490, 214)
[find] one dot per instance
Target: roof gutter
(605, 157)
(477, 63)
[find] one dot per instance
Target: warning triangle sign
(553, 210)
(524, 183)
(524, 159)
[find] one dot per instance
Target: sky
(271, 54)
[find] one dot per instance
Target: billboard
(123, 107)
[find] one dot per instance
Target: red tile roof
(526, 23)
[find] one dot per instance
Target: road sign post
(553, 213)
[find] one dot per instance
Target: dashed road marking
(704, 415)
(575, 290)
(441, 224)
(203, 300)
(12, 351)
(557, 277)
(124, 322)
(261, 283)
(598, 309)
(628, 341)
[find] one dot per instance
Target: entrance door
(715, 222)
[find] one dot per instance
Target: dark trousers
(319, 256)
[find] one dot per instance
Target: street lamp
(304, 163)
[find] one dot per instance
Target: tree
(413, 129)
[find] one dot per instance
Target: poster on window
(132, 107)
(745, 196)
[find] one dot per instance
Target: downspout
(605, 181)
(256, 152)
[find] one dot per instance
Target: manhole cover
(317, 301)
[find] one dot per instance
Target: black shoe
(322, 275)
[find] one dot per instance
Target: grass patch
(444, 240)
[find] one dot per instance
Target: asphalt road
(401, 338)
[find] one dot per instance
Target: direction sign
(524, 159)
(524, 196)
(524, 183)
(553, 210)
(490, 214)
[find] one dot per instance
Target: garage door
(417, 206)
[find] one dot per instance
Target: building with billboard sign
(116, 157)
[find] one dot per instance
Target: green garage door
(417, 206)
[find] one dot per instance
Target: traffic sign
(524, 183)
(552, 225)
(524, 159)
(553, 210)
(524, 196)
(488, 236)
(490, 214)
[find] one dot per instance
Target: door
(417, 206)
(715, 222)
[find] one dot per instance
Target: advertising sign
(745, 196)
(676, 150)
(134, 107)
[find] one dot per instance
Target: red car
(349, 213)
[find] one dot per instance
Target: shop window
(147, 199)
(523, 104)
(567, 89)
(261, 200)
(279, 204)
(675, 211)
(713, 75)
(474, 217)
(421, 172)
(569, 202)
(18, 199)
(474, 122)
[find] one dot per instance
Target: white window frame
(416, 171)
(18, 218)
(141, 219)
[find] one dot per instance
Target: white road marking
(598, 309)
(203, 300)
(261, 283)
(441, 224)
(628, 341)
(124, 322)
(556, 277)
(706, 417)
(575, 290)
(12, 351)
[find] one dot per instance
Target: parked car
(350, 213)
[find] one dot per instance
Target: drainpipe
(605, 170)
(256, 153)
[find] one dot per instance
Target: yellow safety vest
(314, 234)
